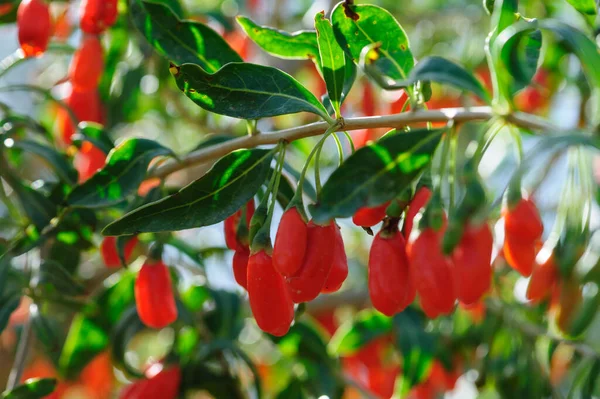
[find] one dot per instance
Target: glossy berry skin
(290, 243)
(154, 297)
(472, 263)
(318, 261)
(421, 198)
(520, 254)
(87, 65)
(162, 385)
(339, 269)
(108, 251)
(542, 281)
(270, 301)
(34, 27)
(240, 266)
(369, 216)
(87, 108)
(523, 221)
(231, 226)
(432, 273)
(97, 15)
(390, 285)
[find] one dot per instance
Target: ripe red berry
(108, 251)
(290, 243)
(523, 221)
(390, 285)
(97, 15)
(88, 160)
(34, 26)
(542, 281)
(87, 65)
(339, 269)
(232, 224)
(163, 384)
(85, 105)
(240, 266)
(306, 285)
(472, 263)
(154, 297)
(432, 273)
(421, 198)
(369, 216)
(270, 301)
(520, 254)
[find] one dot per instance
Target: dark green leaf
(55, 279)
(225, 320)
(366, 326)
(247, 91)
(126, 329)
(84, 341)
(230, 183)
(46, 331)
(524, 59)
(39, 209)
(586, 7)
(95, 134)
(376, 173)
(175, 6)
(298, 45)
(8, 304)
(358, 26)
(33, 388)
(116, 296)
(125, 169)
(292, 391)
(181, 41)
(58, 161)
(12, 123)
(333, 61)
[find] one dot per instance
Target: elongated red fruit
(523, 221)
(87, 65)
(339, 269)
(542, 281)
(109, 253)
(420, 199)
(306, 285)
(240, 266)
(290, 243)
(34, 26)
(154, 295)
(97, 15)
(520, 254)
(369, 216)
(87, 108)
(390, 285)
(431, 272)
(163, 384)
(270, 301)
(472, 263)
(232, 224)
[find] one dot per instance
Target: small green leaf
(333, 61)
(247, 91)
(358, 26)
(230, 183)
(524, 59)
(364, 328)
(296, 46)
(181, 41)
(126, 167)
(586, 7)
(95, 134)
(56, 160)
(33, 388)
(376, 173)
(84, 341)
(441, 70)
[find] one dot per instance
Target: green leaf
(126, 167)
(358, 26)
(333, 61)
(441, 70)
(524, 59)
(175, 6)
(416, 346)
(39, 209)
(586, 7)
(56, 160)
(247, 91)
(231, 182)
(95, 134)
(181, 41)
(354, 334)
(124, 331)
(7, 306)
(376, 173)
(292, 391)
(55, 279)
(33, 388)
(296, 46)
(84, 341)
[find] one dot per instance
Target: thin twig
(21, 356)
(314, 129)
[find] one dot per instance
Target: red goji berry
(339, 269)
(290, 243)
(270, 301)
(421, 198)
(85, 105)
(108, 251)
(520, 254)
(523, 221)
(231, 226)
(542, 281)
(390, 285)
(472, 263)
(308, 282)
(369, 216)
(163, 384)
(34, 26)
(154, 297)
(88, 160)
(97, 15)
(431, 272)
(382, 380)
(87, 65)
(240, 266)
